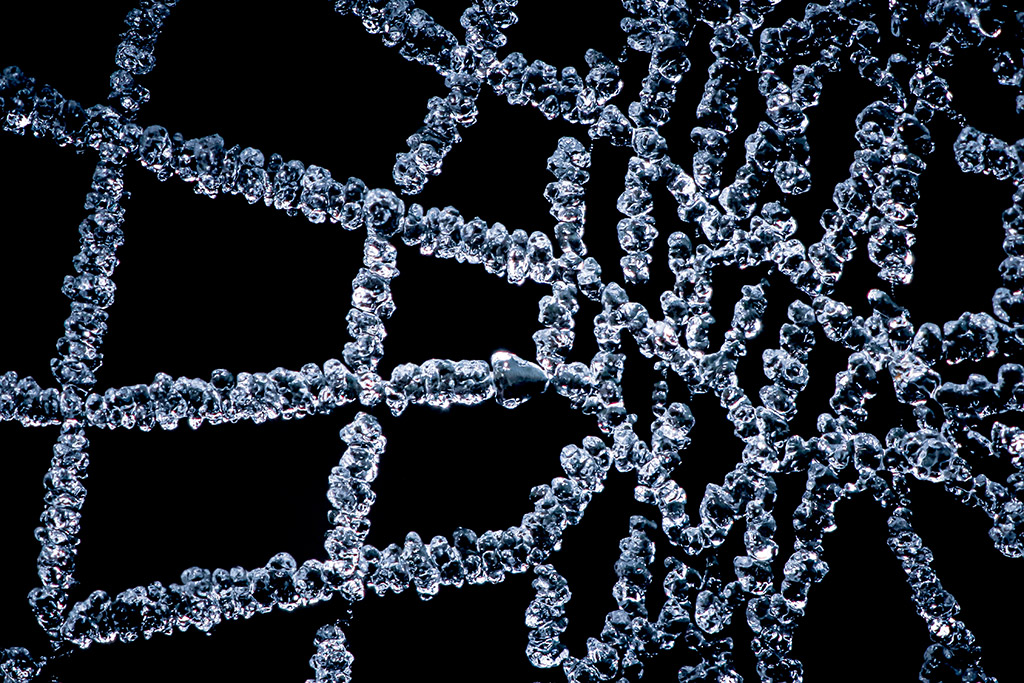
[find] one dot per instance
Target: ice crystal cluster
(723, 221)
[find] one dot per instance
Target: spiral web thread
(725, 222)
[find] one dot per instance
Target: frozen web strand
(24, 401)
(332, 661)
(627, 638)
(312, 390)
(471, 558)
(90, 290)
(202, 600)
(351, 497)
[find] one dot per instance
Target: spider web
(726, 218)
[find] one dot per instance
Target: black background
(206, 284)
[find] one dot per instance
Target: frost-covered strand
(697, 609)
(765, 428)
(1007, 306)
(91, 291)
(201, 601)
(1001, 502)
(372, 302)
(332, 662)
(403, 25)
(954, 651)
(566, 195)
(351, 496)
(226, 397)
(628, 639)
(978, 152)
(135, 56)
(773, 616)
(1008, 58)
(978, 397)
(883, 190)
(18, 664)
(662, 29)
(665, 35)
(28, 403)
(439, 383)
(516, 257)
(429, 145)
(295, 188)
(312, 390)
(715, 113)
(637, 231)
(852, 199)
(555, 340)
(928, 456)
(288, 186)
(545, 618)
(60, 525)
(563, 93)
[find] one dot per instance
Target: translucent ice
(735, 194)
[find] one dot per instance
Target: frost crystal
(733, 204)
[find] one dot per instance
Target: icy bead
(516, 380)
